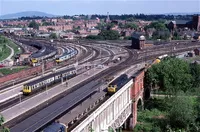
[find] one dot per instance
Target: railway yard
(49, 91)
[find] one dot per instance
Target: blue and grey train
(40, 83)
(116, 84)
(67, 55)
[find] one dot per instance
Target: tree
(109, 34)
(101, 26)
(53, 36)
(130, 25)
(109, 26)
(171, 75)
(46, 23)
(195, 71)
(121, 25)
(164, 35)
(181, 114)
(3, 128)
(176, 36)
(33, 25)
(157, 25)
(95, 37)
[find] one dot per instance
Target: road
(11, 54)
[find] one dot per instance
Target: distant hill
(26, 14)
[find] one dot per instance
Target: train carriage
(48, 80)
(66, 56)
(116, 84)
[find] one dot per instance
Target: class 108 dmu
(48, 80)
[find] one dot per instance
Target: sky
(76, 7)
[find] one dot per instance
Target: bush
(94, 37)
(109, 34)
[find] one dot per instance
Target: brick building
(196, 22)
(138, 40)
(56, 28)
(191, 24)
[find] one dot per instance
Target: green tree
(176, 36)
(3, 128)
(33, 25)
(94, 37)
(131, 26)
(109, 34)
(164, 34)
(121, 25)
(181, 114)
(3, 39)
(195, 71)
(53, 36)
(157, 25)
(171, 75)
(101, 26)
(47, 23)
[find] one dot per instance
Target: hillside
(26, 14)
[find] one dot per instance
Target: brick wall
(137, 92)
(26, 73)
(20, 75)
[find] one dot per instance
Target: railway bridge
(119, 110)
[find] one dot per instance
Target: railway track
(105, 73)
(71, 61)
(132, 59)
(22, 98)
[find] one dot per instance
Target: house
(94, 31)
(191, 24)
(179, 24)
(69, 35)
(56, 28)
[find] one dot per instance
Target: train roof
(54, 127)
(67, 53)
(49, 76)
(119, 79)
(137, 73)
(46, 49)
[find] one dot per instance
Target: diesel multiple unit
(48, 80)
(116, 84)
(45, 52)
(67, 55)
